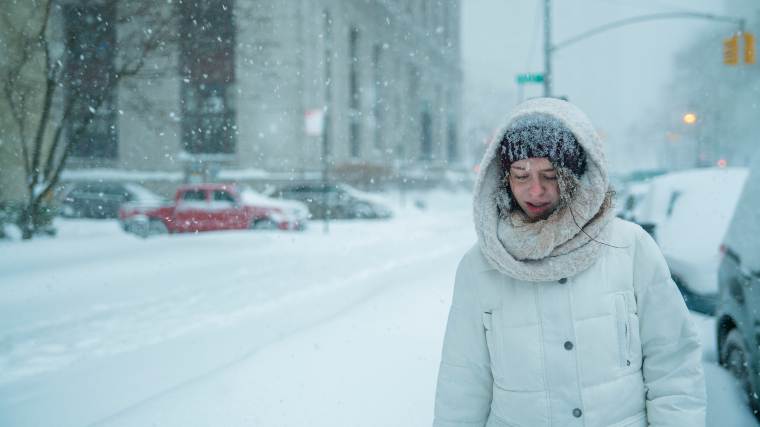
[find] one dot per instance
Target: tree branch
(57, 137)
(47, 100)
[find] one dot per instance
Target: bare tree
(39, 97)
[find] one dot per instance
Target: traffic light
(749, 48)
(731, 50)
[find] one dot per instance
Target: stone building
(378, 81)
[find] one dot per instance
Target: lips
(536, 207)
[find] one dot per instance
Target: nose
(536, 189)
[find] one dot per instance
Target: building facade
(273, 90)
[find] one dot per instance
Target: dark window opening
(207, 67)
(427, 136)
(377, 101)
(354, 102)
(326, 134)
(451, 140)
(90, 82)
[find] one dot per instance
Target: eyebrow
(549, 169)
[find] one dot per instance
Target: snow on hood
(563, 236)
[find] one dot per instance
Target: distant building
(381, 78)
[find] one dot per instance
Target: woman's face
(534, 185)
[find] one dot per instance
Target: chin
(539, 216)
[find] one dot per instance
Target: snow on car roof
(142, 193)
(210, 186)
(700, 206)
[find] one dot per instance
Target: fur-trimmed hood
(556, 247)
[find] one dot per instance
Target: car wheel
(264, 224)
(67, 211)
(157, 227)
(735, 357)
(363, 210)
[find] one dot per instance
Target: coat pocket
(515, 352)
(623, 331)
(627, 322)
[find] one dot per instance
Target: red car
(208, 207)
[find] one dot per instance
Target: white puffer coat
(611, 345)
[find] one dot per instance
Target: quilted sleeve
(463, 393)
(672, 353)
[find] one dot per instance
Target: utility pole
(547, 49)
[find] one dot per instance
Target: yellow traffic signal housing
(749, 48)
(731, 50)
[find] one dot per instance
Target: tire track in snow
(290, 302)
(106, 329)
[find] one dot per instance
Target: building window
(425, 15)
(426, 150)
(327, 34)
(90, 89)
(446, 6)
(377, 95)
(208, 120)
(207, 67)
(451, 141)
(354, 101)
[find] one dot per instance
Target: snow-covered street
(98, 327)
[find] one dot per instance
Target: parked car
(103, 199)
(339, 201)
(631, 190)
(737, 316)
(209, 207)
(688, 213)
(630, 200)
(643, 175)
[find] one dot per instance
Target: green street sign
(530, 78)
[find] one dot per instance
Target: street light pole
(547, 49)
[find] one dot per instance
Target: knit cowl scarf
(569, 240)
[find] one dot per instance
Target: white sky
(615, 77)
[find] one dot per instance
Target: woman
(562, 314)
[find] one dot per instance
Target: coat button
(563, 280)
(577, 413)
(568, 345)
